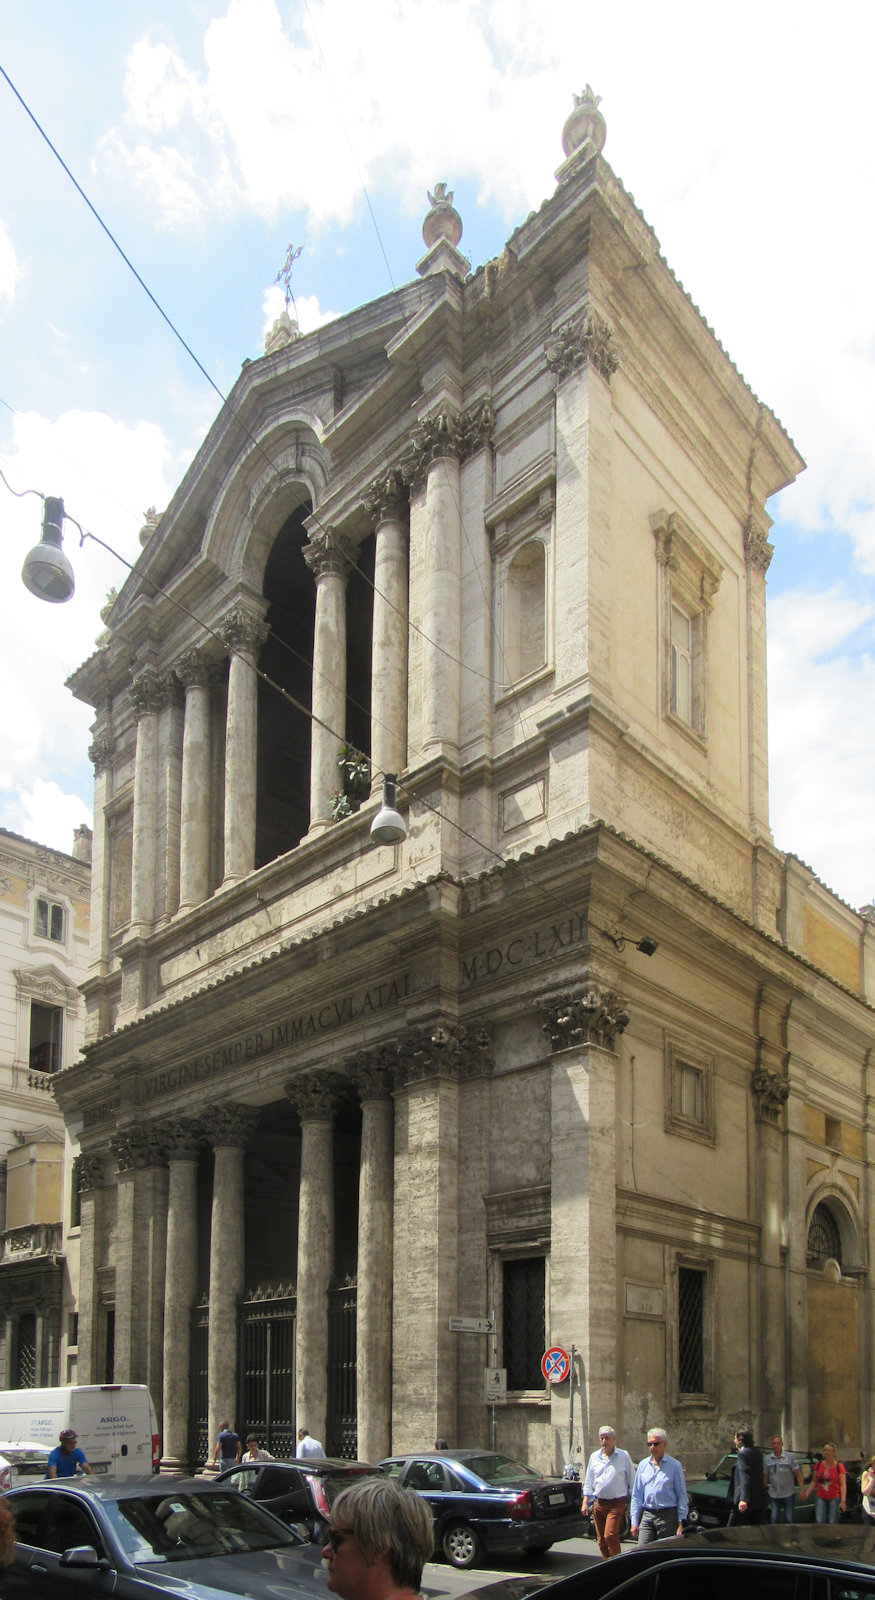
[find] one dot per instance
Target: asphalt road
(441, 1579)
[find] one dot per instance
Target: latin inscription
(538, 944)
(278, 1036)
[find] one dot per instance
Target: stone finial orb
(443, 220)
(149, 526)
(585, 123)
(284, 331)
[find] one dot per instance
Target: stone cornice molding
(373, 1073)
(593, 1017)
(445, 1050)
(182, 1138)
(387, 498)
(194, 670)
(100, 752)
(690, 561)
(450, 435)
(758, 551)
(770, 1091)
(243, 632)
(229, 1125)
(586, 340)
(138, 1148)
(150, 693)
(329, 552)
(316, 1095)
(90, 1171)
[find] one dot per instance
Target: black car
(482, 1502)
(300, 1492)
(709, 1496)
(780, 1563)
(139, 1538)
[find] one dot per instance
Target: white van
(115, 1423)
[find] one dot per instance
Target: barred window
(824, 1239)
(691, 1331)
(524, 1321)
(25, 1355)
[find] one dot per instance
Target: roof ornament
(150, 526)
(442, 230)
(285, 329)
(584, 133)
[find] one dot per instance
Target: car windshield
(333, 1482)
(724, 1467)
(187, 1527)
(497, 1469)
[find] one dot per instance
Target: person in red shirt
(830, 1483)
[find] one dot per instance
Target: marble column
(100, 754)
(227, 1127)
(193, 672)
(387, 504)
(91, 1170)
(181, 1141)
(373, 1077)
(314, 1096)
(243, 633)
(584, 1029)
(140, 1254)
(330, 558)
(148, 694)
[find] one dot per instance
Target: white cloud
(309, 313)
(10, 272)
(821, 753)
(45, 814)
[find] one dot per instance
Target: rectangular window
(45, 1037)
(691, 1093)
(48, 921)
(691, 1331)
(682, 666)
(524, 1321)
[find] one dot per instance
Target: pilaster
(243, 632)
(388, 506)
(181, 1141)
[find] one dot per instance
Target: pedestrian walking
(867, 1487)
(228, 1448)
(747, 1484)
(254, 1451)
(66, 1459)
(607, 1488)
(659, 1495)
(379, 1539)
(830, 1483)
(782, 1474)
(308, 1446)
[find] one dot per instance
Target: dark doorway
(283, 806)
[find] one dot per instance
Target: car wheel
(461, 1545)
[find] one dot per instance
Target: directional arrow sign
(471, 1325)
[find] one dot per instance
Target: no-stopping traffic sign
(555, 1364)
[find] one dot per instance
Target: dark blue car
(486, 1503)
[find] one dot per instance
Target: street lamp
(388, 826)
(46, 572)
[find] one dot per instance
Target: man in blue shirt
(659, 1496)
(66, 1460)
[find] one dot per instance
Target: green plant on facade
(356, 769)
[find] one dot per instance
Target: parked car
(150, 1538)
(302, 1492)
(709, 1503)
(780, 1563)
(21, 1462)
(482, 1502)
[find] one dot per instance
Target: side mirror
(84, 1555)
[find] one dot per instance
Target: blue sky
(210, 133)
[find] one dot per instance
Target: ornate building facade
(584, 1055)
(45, 899)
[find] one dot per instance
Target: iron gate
(198, 1395)
(341, 1437)
(266, 1385)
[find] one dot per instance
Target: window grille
(691, 1331)
(824, 1239)
(25, 1366)
(524, 1321)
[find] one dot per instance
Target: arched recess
(835, 1261)
(283, 788)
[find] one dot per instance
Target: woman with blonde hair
(830, 1482)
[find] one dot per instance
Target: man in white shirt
(607, 1487)
(307, 1445)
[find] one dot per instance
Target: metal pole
(571, 1408)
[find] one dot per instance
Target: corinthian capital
(757, 550)
(387, 499)
(451, 434)
(316, 1095)
(373, 1073)
(194, 670)
(595, 1016)
(242, 632)
(445, 1050)
(584, 341)
(137, 1148)
(228, 1125)
(90, 1171)
(182, 1138)
(329, 552)
(149, 694)
(770, 1090)
(100, 752)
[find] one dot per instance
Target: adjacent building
(584, 1055)
(44, 910)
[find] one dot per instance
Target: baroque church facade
(584, 1055)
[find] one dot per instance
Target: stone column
(148, 694)
(91, 1174)
(193, 673)
(140, 1256)
(314, 1097)
(170, 736)
(100, 753)
(374, 1077)
(227, 1128)
(583, 1029)
(181, 1141)
(330, 558)
(243, 633)
(387, 504)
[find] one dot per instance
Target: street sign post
(472, 1325)
(555, 1364)
(495, 1386)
